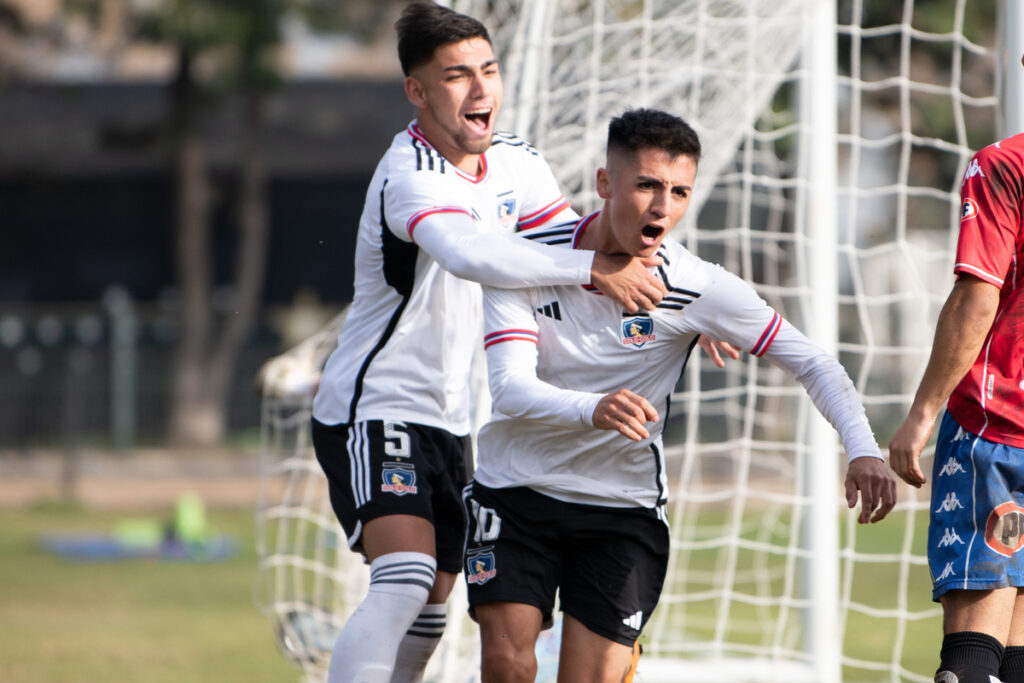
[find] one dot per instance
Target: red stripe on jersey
(420, 215)
(540, 217)
(768, 336)
(580, 227)
(509, 335)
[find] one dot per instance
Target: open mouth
(651, 234)
(479, 119)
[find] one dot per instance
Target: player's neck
(456, 156)
(596, 234)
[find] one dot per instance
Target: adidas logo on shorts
(635, 620)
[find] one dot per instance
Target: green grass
(134, 620)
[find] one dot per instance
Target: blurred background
(180, 182)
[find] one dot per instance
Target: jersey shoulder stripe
(540, 216)
(512, 140)
(509, 335)
(429, 159)
(556, 234)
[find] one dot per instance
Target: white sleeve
(423, 211)
(495, 259)
(511, 343)
(730, 309)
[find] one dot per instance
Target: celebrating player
(558, 505)
(392, 411)
(977, 362)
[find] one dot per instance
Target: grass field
(129, 621)
(134, 621)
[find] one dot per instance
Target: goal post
(835, 136)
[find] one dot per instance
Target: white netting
(915, 97)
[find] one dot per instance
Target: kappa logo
(961, 435)
(637, 331)
(947, 572)
(1004, 531)
(951, 467)
(949, 537)
(950, 504)
(968, 210)
(507, 211)
(480, 567)
(973, 169)
(398, 479)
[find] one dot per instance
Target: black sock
(1012, 668)
(969, 657)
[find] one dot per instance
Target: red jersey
(989, 401)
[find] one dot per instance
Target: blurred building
(87, 201)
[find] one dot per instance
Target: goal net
(835, 137)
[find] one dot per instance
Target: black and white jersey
(554, 351)
(405, 348)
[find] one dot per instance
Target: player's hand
(626, 280)
(877, 488)
(626, 413)
(713, 346)
(906, 446)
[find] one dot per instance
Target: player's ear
(416, 93)
(604, 183)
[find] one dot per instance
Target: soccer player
(391, 413)
(976, 529)
(556, 504)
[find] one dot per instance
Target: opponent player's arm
(963, 326)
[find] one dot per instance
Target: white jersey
(553, 352)
(405, 348)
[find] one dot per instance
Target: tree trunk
(195, 420)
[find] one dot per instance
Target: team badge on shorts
(398, 479)
(507, 212)
(480, 566)
(1004, 531)
(637, 331)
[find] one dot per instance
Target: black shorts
(607, 564)
(377, 468)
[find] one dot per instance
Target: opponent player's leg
(974, 534)
(1011, 670)
(586, 656)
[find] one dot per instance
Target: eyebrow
(466, 67)
(659, 181)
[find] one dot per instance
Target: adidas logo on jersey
(634, 621)
(551, 310)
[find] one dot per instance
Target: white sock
(366, 647)
(419, 643)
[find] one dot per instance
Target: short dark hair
(426, 26)
(638, 129)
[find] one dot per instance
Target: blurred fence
(100, 373)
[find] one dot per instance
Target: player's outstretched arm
(877, 488)
(963, 325)
(625, 412)
(626, 280)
